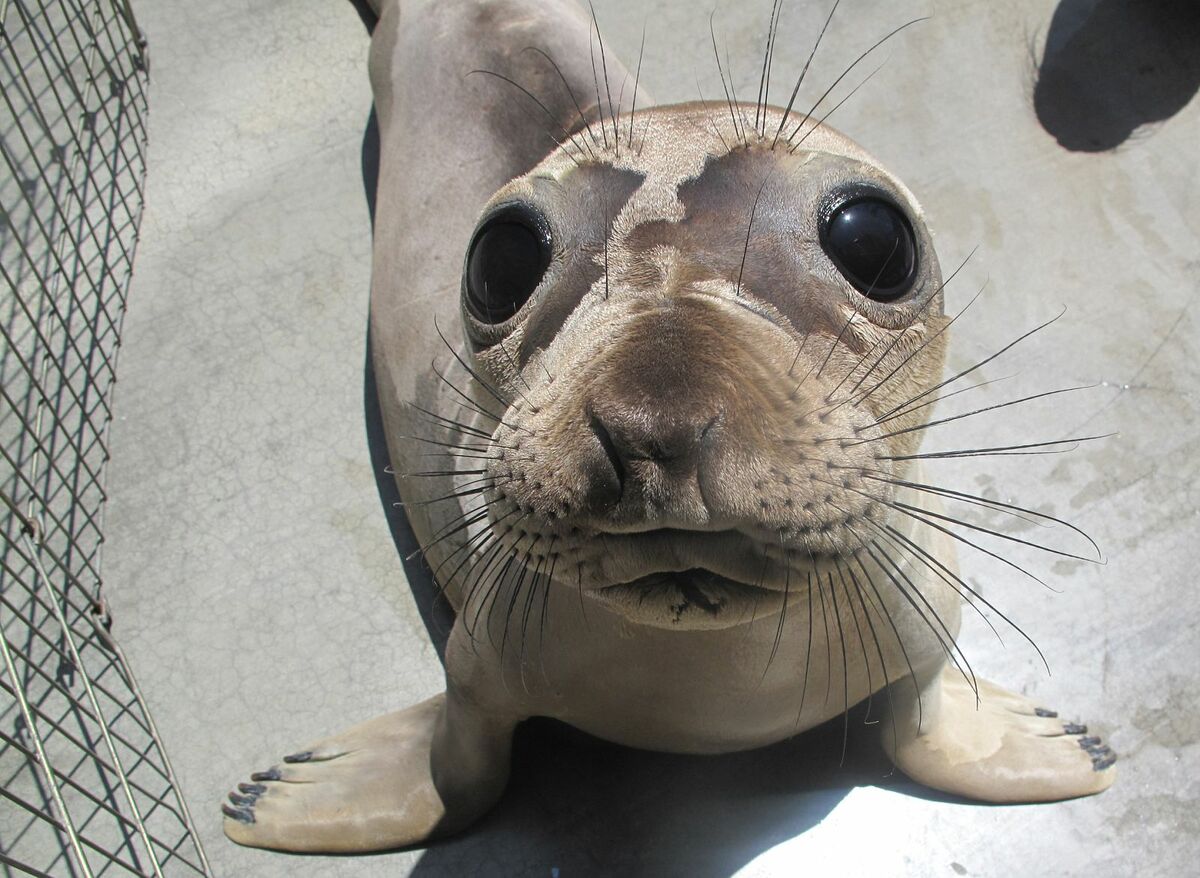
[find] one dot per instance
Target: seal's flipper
(394, 781)
(1003, 749)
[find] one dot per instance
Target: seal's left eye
(872, 244)
(506, 261)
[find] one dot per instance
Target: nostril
(610, 450)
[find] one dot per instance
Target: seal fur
(678, 437)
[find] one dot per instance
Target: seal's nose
(652, 452)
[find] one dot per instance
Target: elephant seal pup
(665, 469)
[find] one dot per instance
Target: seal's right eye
(506, 261)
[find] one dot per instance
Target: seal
(666, 464)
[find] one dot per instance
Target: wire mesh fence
(86, 786)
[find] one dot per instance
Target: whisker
(570, 91)
(607, 87)
(637, 78)
(596, 79)
(749, 226)
(799, 143)
(721, 71)
(952, 418)
(803, 72)
(845, 669)
(977, 366)
(560, 143)
(1000, 450)
(846, 72)
(912, 674)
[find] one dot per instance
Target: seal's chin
(689, 600)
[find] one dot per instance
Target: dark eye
(871, 242)
(506, 261)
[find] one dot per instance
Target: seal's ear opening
(506, 261)
(871, 242)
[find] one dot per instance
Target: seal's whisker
(807, 648)
(469, 489)
(492, 588)
(441, 473)
(835, 108)
(846, 72)
(637, 78)
(908, 547)
(543, 614)
(489, 544)
(469, 403)
(721, 71)
(895, 632)
(509, 556)
(921, 347)
(978, 365)
(908, 511)
(459, 455)
(479, 378)
(764, 88)
(861, 640)
(711, 121)
(524, 572)
(979, 411)
(949, 644)
(460, 446)
(787, 584)
(467, 518)
(933, 562)
(511, 362)
(574, 100)
(828, 642)
(1011, 508)
(837, 613)
(995, 533)
(596, 79)
(612, 111)
(1048, 447)
(749, 226)
(935, 400)
(562, 145)
(870, 548)
(530, 595)
(451, 424)
(837, 341)
(733, 91)
(787, 112)
(899, 336)
(829, 397)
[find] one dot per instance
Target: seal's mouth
(694, 598)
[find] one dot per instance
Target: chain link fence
(85, 786)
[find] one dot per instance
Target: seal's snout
(645, 440)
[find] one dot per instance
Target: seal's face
(706, 357)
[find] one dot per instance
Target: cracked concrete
(249, 563)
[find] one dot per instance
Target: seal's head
(710, 343)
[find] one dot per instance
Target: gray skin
(685, 526)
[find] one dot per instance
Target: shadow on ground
(1111, 66)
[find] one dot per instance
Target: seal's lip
(693, 598)
(728, 557)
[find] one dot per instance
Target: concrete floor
(250, 564)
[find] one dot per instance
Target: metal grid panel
(85, 787)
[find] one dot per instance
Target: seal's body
(664, 465)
